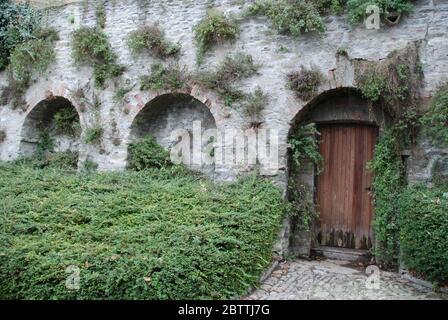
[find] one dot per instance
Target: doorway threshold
(353, 255)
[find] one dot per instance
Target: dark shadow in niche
(52, 126)
(170, 112)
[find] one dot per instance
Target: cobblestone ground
(335, 280)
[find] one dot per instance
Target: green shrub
(154, 234)
(91, 45)
(424, 231)
(254, 105)
(305, 83)
(93, 135)
(387, 185)
(2, 136)
(293, 17)
(31, 57)
(356, 9)
(100, 15)
(170, 77)
(59, 160)
(214, 28)
(146, 153)
(435, 120)
(304, 145)
(18, 21)
(152, 38)
(223, 79)
(67, 121)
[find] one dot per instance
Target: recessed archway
(347, 127)
(52, 126)
(170, 112)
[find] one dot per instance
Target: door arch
(348, 127)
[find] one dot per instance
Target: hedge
(424, 231)
(153, 234)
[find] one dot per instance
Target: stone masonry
(428, 24)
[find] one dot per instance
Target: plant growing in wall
(100, 15)
(234, 68)
(254, 105)
(2, 136)
(213, 29)
(152, 38)
(67, 121)
(387, 185)
(147, 153)
(391, 10)
(18, 21)
(291, 17)
(435, 120)
(90, 45)
(170, 77)
(304, 146)
(394, 83)
(93, 135)
(304, 83)
(31, 57)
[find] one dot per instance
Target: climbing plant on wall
(152, 39)
(90, 45)
(18, 21)
(435, 120)
(304, 144)
(215, 27)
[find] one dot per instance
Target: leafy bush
(435, 120)
(18, 21)
(234, 67)
(152, 38)
(254, 105)
(290, 16)
(32, 57)
(305, 83)
(67, 121)
(154, 234)
(170, 77)
(93, 135)
(305, 145)
(147, 153)
(356, 9)
(214, 28)
(424, 231)
(91, 45)
(387, 185)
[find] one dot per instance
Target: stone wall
(428, 24)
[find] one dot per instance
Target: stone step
(355, 255)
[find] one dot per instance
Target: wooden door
(343, 187)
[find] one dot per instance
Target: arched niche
(56, 118)
(348, 127)
(172, 112)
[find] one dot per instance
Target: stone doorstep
(352, 255)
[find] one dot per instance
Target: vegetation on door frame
(304, 144)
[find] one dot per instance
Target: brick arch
(168, 112)
(139, 100)
(343, 104)
(40, 117)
